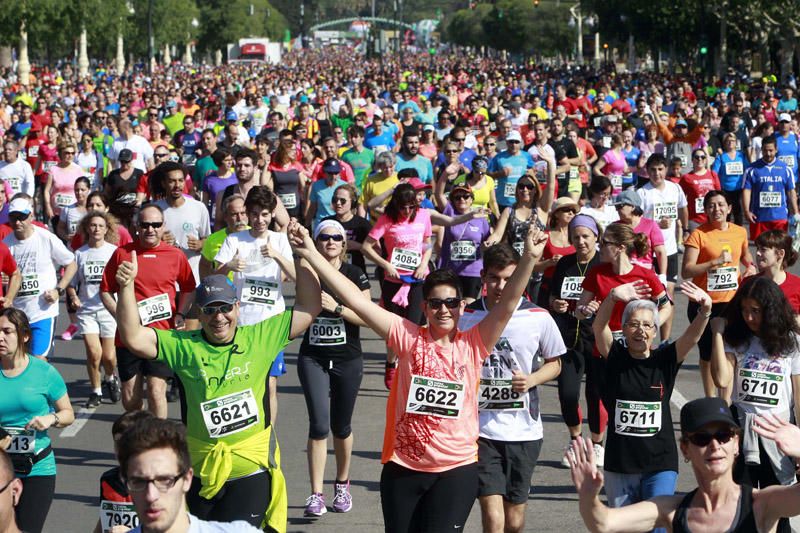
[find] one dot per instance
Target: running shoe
(567, 450)
(599, 455)
(114, 389)
(93, 401)
(388, 374)
(342, 501)
(315, 505)
(69, 332)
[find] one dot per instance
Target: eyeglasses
(437, 303)
(162, 483)
(211, 310)
(322, 237)
(512, 142)
(68, 153)
(457, 197)
(644, 326)
(698, 157)
(6, 486)
(490, 144)
(704, 439)
(571, 211)
(338, 201)
(154, 225)
(161, 154)
(16, 217)
(459, 139)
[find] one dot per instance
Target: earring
(685, 459)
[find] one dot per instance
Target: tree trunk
(83, 58)
(23, 65)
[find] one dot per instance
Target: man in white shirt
(15, 170)
(665, 202)
(142, 150)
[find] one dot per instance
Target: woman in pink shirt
(612, 164)
(629, 208)
(59, 191)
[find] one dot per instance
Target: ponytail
(641, 245)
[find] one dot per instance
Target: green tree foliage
(465, 26)
(226, 21)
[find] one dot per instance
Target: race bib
(510, 190)
(435, 397)
(327, 332)
(93, 271)
(734, 168)
(33, 152)
(230, 414)
(496, 395)
(759, 387)
(637, 419)
(154, 309)
(618, 336)
(573, 173)
(572, 287)
(47, 165)
(289, 201)
(117, 514)
(29, 285)
(665, 210)
(606, 142)
(64, 200)
(405, 259)
(770, 199)
(788, 159)
(22, 440)
(260, 292)
(463, 251)
(684, 160)
(698, 205)
(597, 121)
(616, 182)
(14, 182)
(723, 279)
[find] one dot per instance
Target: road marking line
(678, 399)
(81, 417)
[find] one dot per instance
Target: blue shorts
(42, 332)
(278, 367)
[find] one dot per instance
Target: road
(84, 450)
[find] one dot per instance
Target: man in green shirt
(223, 369)
(173, 120)
(205, 164)
(359, 157)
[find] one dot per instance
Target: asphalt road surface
(84, 450)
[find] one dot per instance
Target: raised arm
(722, 363)
(546, 199)
(308, 301)
(695, 330)
(377, 318)
(138, 339)
(495, 322)
(636, 290)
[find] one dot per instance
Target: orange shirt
(711, 243)
(430, 443)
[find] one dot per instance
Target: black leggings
(735, 200)
(427, 501)
(413, 311)
(246, 498)
(330, 388)
(573, 366)
(704, 344)
(34, 504)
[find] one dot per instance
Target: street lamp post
(576, 15)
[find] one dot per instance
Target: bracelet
(57, 421)
(707, 315)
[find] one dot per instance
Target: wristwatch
(60, 291)
(338, 310)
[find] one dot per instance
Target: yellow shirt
(376, 185)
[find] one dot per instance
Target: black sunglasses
(339, 201)
(460, 197)
(325, 238)
(211, 310)
(154, 225)
(450, 303)
(528, 186)
(704, 439)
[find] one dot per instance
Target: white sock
(98, 391)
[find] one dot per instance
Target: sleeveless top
(743, 522)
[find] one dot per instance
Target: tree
(465, 27)
(226, 21)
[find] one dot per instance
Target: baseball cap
(681, 122)
(480, 163)
(704, 411)
(418, 184)
(611, 118)
(332, 166)
(513, 135)
(215, 289)
(629, 197)
(463, 187)
(784, 117)
(231, 115)
(428, 127)
(125, 155)
(172, 103)
(20, 205)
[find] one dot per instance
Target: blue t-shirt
(788, 150)
(322, 196)
(769, 184)
(730, 171)
(465, 159)
(507, 185)
(384, 139)
(422, 165)
(632, 160)
(30, 394)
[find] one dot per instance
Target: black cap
(332, 166)
(704, 411)
(215, 289)
(125, 155)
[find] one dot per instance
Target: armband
(663, 301)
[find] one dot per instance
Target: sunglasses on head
(154, 225)
(322, 237)
(704, 438)
(450, 303)
(211, 310)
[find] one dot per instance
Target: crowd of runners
(523, 225)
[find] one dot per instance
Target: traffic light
(703, 50)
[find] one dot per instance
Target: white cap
(513, 135)
(784, 117)
(20, 205)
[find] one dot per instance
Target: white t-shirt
(529, 337)
(761, 383)
(142, 151)
(259, 287)
(604, 216)
(664, 203)
(190, 219)
(91, 263)
(71, 215)
(37, 258)
(19, 176)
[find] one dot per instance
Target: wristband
(57, 421)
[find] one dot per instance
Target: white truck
(255, 50)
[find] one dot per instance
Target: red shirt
(695, 188)
(601, 279)
(550, 251)
(346, 175)
(159, 270)
(791, 288)
(7, 264)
